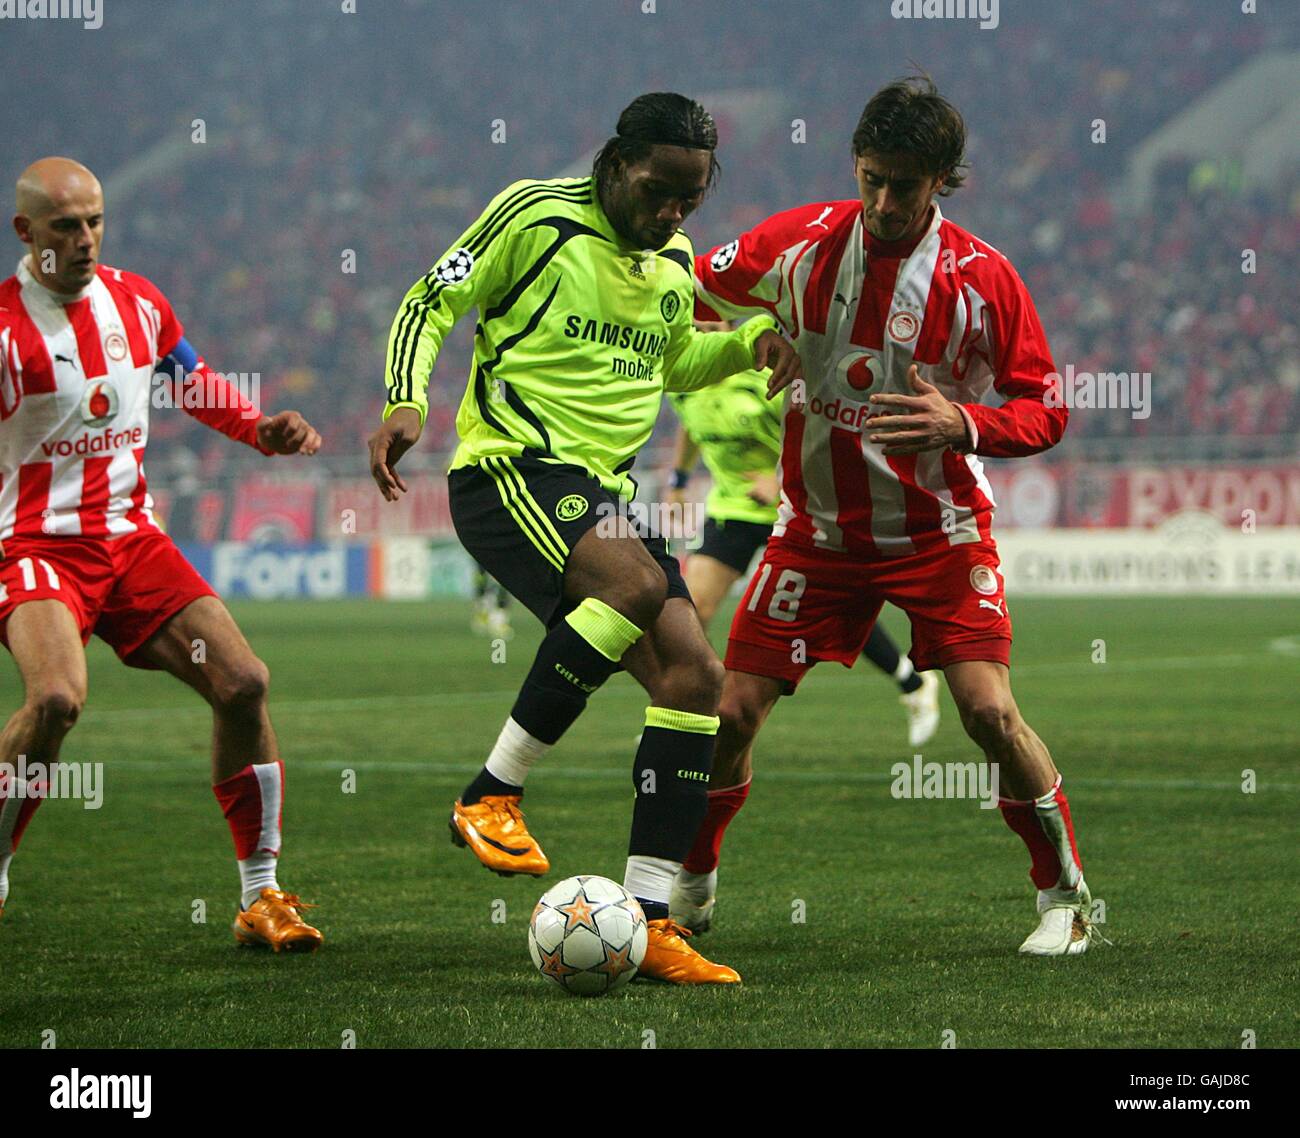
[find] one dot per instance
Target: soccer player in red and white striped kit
(81, 551)
(904, 321)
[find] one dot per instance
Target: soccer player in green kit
(584, 291)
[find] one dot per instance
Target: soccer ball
(588, 934)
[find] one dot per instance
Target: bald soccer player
(80, 549)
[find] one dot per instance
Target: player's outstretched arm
(398, 433)
(773, 350)
(287, 433)
(700, 359)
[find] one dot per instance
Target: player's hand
(287, 433)
(773, 350)
(762, 487)
(398, 434)
(921, 422)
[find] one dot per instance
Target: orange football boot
(494, 829)
(272, 921)
(668, 957)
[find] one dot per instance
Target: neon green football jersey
(578, 335)
(738, 431)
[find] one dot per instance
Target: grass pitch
(912, 910)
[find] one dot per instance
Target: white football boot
(1064, 925)
(693, 899)
(922, 707)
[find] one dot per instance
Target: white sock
(650, 878)
(9, 807)
(904, 670)
(514, 753)
(256, 873)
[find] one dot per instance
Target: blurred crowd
(285, 170)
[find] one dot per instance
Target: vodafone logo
(94, 444)
(903, 326)
(98, 403)
(842, 412)
(861, 371)
(115, 346)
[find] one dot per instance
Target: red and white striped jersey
(75, 385)
(861, 312)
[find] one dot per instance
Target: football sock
(251, 801)
(650, 880)
(883, 652)
(1044, 825)
(19, 799)
(485, 782)
(575, 658)
(723, 806)
(257, 872)
(507, 765)
(671, 776)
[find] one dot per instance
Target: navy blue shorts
(520, 517)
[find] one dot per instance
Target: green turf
(914, 909)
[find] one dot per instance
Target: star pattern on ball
(616, 961)
(578, 913)
(552, 965)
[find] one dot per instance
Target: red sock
(1044, 825)
(723, 807)
(252, 801)
(18, 802)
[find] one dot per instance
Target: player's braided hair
(909, 116)
(661, 118)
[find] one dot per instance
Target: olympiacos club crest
(983, 580)
(115, 346)
(903, 327)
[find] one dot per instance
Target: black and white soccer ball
(588, 934)
(454, 267)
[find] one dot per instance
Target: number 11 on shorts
(27, 567)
